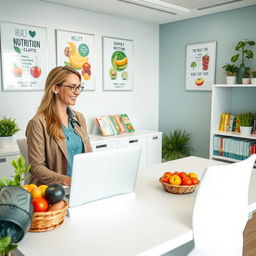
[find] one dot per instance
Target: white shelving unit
(234, 99)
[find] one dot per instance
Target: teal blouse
(73, 141)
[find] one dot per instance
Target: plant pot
(230, 79)
(5, 141)
(245, 80)
(245, 130)
(253, 80)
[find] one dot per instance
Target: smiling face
(65, 96)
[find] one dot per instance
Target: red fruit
(183, 175)
(40, 204)
(86, 67)
(86, 72)
(35, 71)
(194, 180)
(186, 181)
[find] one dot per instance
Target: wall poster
(117, 64)
(200, 66)
(76, 50)
(23, 56)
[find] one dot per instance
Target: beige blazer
(48, 157)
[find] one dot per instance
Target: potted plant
(246, 76)
(253, 79)
(8, 127)
(246, 121)
(176, 145)
(6, 246)
(244, 53)
(231, 71)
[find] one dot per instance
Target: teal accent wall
(191, 110)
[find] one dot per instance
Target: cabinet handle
(133, 141)
(101, 146)
(2, 160)
(155, 138)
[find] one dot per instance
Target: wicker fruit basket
(179, 189)
(44, 221)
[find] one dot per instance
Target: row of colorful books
(233, 147)
(231, 123)
(114, 124)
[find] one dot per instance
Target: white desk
(152, 224)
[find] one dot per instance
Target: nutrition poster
(76, 50)
(117, 64)
(24, 57)
(200, 66)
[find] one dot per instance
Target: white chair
(221, 209)
(23, 147)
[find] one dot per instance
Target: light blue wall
(191, 110)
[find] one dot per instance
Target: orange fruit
(43, 188)
(31, 186)
(26, 187)
(36, 192)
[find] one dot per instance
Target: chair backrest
(221, 208)
(23, 147)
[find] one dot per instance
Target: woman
(56, 133)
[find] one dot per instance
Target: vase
(230, 79)
(245, 130)
(253, 80)
(245, 80)
(5, 141)
(240, 74)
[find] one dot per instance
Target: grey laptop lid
(103, 174)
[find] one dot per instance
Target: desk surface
(152, 224)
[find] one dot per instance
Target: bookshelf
(234, 99)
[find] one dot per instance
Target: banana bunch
(75, 59)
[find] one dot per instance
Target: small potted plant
(246, 121)
(231, 71)
(243, 54)
(8, 127)
(6, 246)
(253, 79)
(246, 77)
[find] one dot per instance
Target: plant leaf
(249, 53)
(17, 49)
(235, 58)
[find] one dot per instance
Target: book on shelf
(112, 120)
(254, 126)
(221, 126)
(119, 123)
(104, 126)
(127, 123)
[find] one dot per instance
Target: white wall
(141, 104)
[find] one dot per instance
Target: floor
(250, 237)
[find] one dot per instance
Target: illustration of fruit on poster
(24, 57)
(77, 51)
(117, 64)
(200, 66)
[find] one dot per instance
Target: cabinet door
(141, 141)
(99, 146)
(6, 168)
(154, 149)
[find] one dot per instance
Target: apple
(186, 181)
(182, 175)
(86, 72)
(194, 180)
(35, 71)
(17, 71)
(175, 180)
(192, 174)
(86, 67)
(199, 81)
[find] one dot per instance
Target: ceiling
(127, 10)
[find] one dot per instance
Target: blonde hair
(47, 107)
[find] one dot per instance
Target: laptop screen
(98, 175)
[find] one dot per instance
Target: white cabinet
(6, 156)
(150, 142)
(234, 99)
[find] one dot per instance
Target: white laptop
(103, 174)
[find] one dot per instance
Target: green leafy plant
(246, 119)
(253, 74)
(8, 127)
(230, 69)
(246, 74)
(244, 53)
(20, 171)
(6, 246)
(176, 145)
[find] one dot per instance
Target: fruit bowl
(178, 189)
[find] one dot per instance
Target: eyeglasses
(72, 87)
